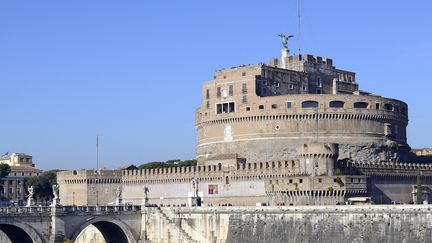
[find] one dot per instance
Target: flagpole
(97, 152)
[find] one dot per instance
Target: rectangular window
(377, 106)
(247, 108)
(291, 86)
(290, 181)
(318, 83)
(226, 107)
(277, 84)
(244, 88)
(274, 106)
(207, 94)
(300, 180)
(208, 104)
(244, 100)
(219, 108)
(231, 90)
(218, 92)
(231, 107)
(261, 107)
(304, 88)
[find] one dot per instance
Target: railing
(25, 210)
(71, 209)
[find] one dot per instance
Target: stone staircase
(174, 227)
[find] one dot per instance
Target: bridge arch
(112, 230)
(20, 232)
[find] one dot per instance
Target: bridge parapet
(72, 210)
(25, 210)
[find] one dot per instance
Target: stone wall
(392, 223)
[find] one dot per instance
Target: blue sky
(131, 71)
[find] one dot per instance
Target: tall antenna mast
(298, 27)
(97, 152)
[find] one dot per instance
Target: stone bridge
(371, 223)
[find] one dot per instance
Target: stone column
(6, 188)
(14, 190)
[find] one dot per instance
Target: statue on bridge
(118, 193)
(30, 200)
(56, 199)
(146, 199)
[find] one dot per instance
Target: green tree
(42, 184)
(419, 192)
(4, 170)
(169, 163)
(152, 165)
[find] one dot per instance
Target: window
(360, 105)
(290, 181)
(247, 108)
(277, 84)
(320, 180)
(226, 180)
(261, 107)
(336, 104)
(274, 106)
(318, 91)
(244, 100)
(231, 107)
(388, 107)
(304, 88)
(243, 73)
(350, 78)
(244, 88)
(231, 90)
(218, 92)
(309, 104)
(300, 180)
(318, 83)
(291, 86)
(219, 109)
(208, 104)
(289, 104)
(207, 94)
(377, 106)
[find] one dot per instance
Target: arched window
(336, 104)
(360, 105)
(309, 104)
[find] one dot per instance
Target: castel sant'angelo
(294, 131)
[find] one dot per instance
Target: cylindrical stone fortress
(263, 113)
